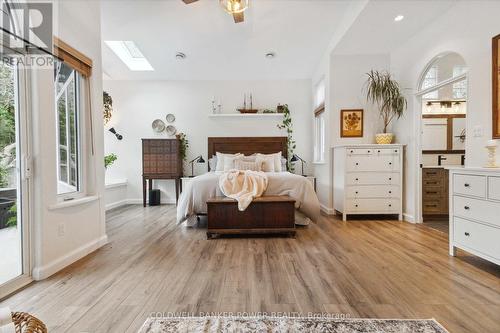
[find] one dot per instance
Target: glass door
(14, 180)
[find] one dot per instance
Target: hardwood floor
(379, 269)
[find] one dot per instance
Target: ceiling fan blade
(187, 2)
(239, 17)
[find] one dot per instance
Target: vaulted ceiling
(297, 31)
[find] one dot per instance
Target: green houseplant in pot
(385, 92)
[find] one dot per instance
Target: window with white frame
(69, 152)
(459, 88)
(319, 123)
(430, 80)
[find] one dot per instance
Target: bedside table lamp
(296, 158)
(199, 159)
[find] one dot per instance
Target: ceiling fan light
(234, 6)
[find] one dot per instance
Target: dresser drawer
(359, 151)
(372, 163)
(373, 191)
(470, 185)
(494, 188)
(429, 192)
(476, 236)
(372, 205)
(380, 178)
(432, 206)
(480, 210)
(373, 151)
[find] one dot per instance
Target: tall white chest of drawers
(475, 212)
(368, 179)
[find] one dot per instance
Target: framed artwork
(496, 87)
(351, 123)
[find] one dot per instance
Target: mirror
(496, 87)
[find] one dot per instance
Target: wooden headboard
(248, 146)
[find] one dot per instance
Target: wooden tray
(248, 110)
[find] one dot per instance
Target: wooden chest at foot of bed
(265, 215)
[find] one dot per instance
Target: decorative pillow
(241, 164)
(283, 164)
(212, 163)
(220, 160)
(229, 162)
(251, 158)
(267, 163)
(276, 160)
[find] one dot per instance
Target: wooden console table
(160, 161)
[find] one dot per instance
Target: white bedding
(201, 188)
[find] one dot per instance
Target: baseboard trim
(327, 210)
(408, 218)
(125, 202)
(40, 273)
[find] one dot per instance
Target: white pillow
(266, 162)
(276, 160)
(229, 162)
(220, 160)
(241, 164)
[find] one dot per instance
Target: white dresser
(368, 179)
(475, 212)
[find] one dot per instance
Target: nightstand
(312, 179)
(185, 182)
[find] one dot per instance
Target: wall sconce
(118, 136)
(296, 158)
(199, 159)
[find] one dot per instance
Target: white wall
(137, 103)
(346, 79)
(83, 225)
(466, 29)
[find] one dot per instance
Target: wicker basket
(26, 323)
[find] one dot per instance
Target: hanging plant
(108, 107)
(184, 145)
(288, 126)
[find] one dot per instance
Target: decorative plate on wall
(171, 130)
(170, 118)
(158, 126)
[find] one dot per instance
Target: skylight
(130, 54)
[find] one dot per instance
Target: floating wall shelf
(246, 115)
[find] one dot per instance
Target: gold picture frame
(496, 87)
(351, 123)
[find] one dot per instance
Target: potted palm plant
(382, 90)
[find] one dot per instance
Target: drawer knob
(357, 192)
(390, 205)
(378, 151)
(352, 151)
(466, 185)
(390, 163)
(357, 163)
(356, 205)
(390, 178)
(369, 151)
(467, 234)
(390, 192)
(357, 179)
(466, 207)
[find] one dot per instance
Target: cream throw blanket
(243, 185)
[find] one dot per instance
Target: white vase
(384, 138)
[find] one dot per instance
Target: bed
(193, 200)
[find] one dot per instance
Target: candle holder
(492, 152)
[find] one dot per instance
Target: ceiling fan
(234, 7)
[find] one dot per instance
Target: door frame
(418, 131)
(24, 179)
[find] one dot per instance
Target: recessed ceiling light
(180, 56)
(129, 53)
(270, 55)
(399, 18)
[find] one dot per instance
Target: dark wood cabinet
(160, 160)
(435, 193)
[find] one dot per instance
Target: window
(68, 128)
(72, 71)
(459, 88)
(430, 80)
(319, 123)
